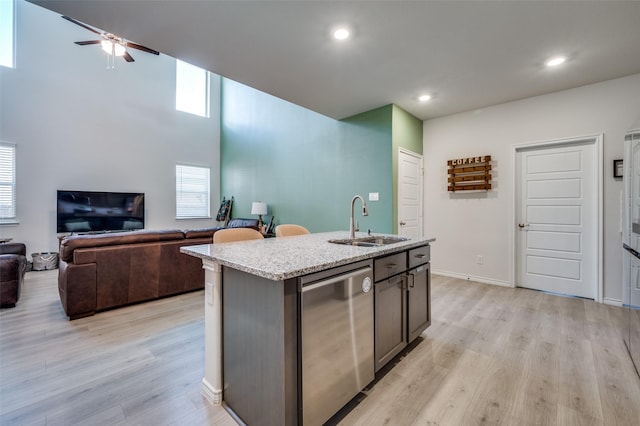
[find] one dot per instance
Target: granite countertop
(287, 257)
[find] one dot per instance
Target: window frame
(201, 110)
(180, 169)
(11, 183)
(11, 32)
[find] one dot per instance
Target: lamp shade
(259, 208)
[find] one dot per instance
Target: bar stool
(236, 234)
(289, 230)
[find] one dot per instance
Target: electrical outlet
(374, 196)
(480, 259)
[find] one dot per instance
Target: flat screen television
(90, 211)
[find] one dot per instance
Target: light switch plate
(374, 196)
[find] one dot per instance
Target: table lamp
(259, 208)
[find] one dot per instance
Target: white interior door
(409, 194)
(557, 221)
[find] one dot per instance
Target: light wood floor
(491, 356)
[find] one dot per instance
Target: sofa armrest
(12, 270)
(13, 248)
(77, 288)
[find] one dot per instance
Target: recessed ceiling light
(555, 61)
(424, 98)
(341, 33)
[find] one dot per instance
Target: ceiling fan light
(120, 50)
(107, 46)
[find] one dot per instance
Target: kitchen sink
(372, 241)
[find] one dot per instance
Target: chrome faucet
(352, 228)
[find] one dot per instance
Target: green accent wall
(407, 130)
(407, 134)
(305, 166)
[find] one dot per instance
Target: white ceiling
(467, 54)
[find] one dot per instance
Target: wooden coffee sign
(470, 174)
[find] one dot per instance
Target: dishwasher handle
(335, 279)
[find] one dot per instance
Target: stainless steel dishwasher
(336, 336)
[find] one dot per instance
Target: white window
(192, 192)
(7, 182)
(192, 89)
(7, 32)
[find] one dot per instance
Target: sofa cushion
(72, 242)
(201, 233)
(243, 223)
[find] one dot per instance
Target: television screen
(88, 211)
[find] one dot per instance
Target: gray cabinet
(633, 342)
(418, 300)
(390, 326)
(402, 301)
(631, 329)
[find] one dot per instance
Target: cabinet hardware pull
(420, 255)
(391, 265)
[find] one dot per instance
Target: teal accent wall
(305, 166)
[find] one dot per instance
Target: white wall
(79, 126)
(467, 225)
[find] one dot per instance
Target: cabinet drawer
(419, 256)
(388, 266)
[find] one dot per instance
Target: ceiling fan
(112, 44)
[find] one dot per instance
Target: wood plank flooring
(492, 355)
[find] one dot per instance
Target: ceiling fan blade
(139, 47)
(84, 43)
(82, 25)
(127, 57)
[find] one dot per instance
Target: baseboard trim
(210, 393)
(474, 278)
(612, 302)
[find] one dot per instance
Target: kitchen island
(255, 332)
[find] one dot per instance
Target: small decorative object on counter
(470, 174)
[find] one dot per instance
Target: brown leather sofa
(104, 271)
(13, 265)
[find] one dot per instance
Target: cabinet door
(419, 297)
(390, 306)
(633, 343)
(634, 337)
